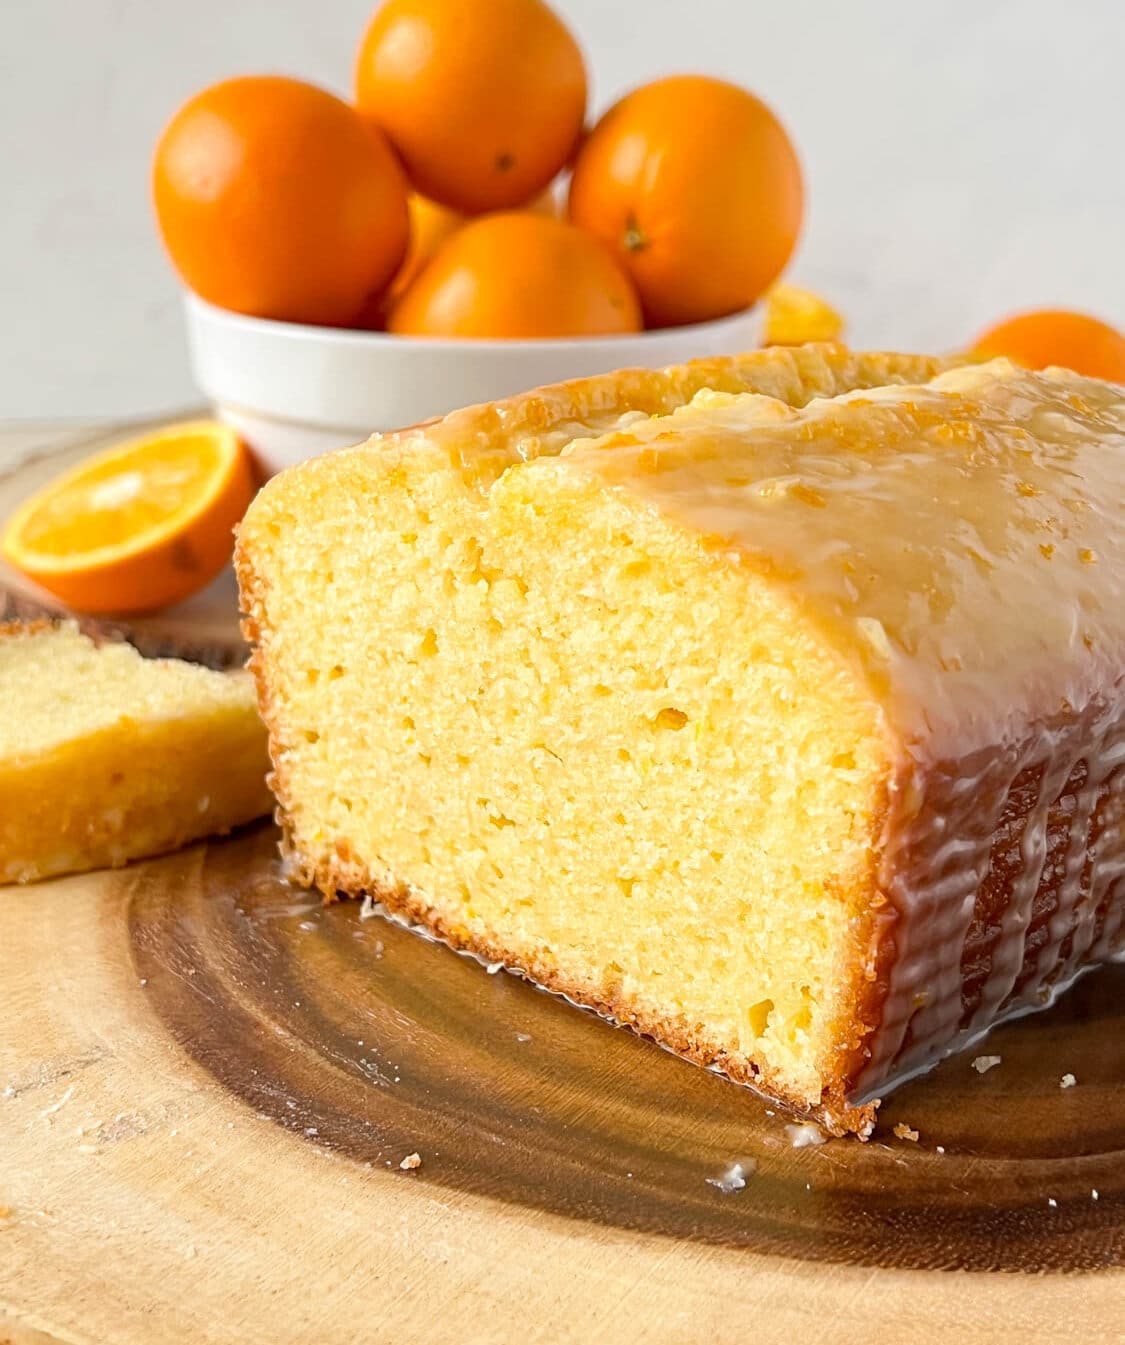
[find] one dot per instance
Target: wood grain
(197, 1147)
(208, 1081)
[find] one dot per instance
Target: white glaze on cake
(997, 649)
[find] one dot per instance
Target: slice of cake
(106, 756)
(767, 704)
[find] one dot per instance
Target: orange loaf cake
(772, 705)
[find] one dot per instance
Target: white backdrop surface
(964, 158)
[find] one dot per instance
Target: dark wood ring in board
(204, 629)
(362, 1037)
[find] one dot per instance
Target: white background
(964, 158)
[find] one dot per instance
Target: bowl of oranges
(457, 230)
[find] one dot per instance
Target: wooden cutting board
(208, 1084)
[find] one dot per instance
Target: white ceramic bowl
(293, 391)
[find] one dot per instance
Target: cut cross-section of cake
(771, 705)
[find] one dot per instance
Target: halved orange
(794, 316)
(138, 526)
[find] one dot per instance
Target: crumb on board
(6, 1211)
(905, 1132)
(1067, 1081)
(805, 1134)
(59, 1104)
(734, 1179)
(410, 1162)
(983, 1063)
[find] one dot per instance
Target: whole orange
(276, 199)
(1057, 336)
(430, 225)
(484, 101)
(697, 188)
(519, 275)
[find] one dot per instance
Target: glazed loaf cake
(772, 705)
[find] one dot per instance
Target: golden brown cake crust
(18, 630)
(795, 375)
(345, 877)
